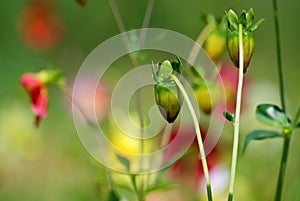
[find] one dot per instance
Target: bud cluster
(232, 22)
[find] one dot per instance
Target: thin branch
(146, 22)
(198, 45)
(119, 21)
(199, 138)
(237, 115)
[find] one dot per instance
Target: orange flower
(38, 26)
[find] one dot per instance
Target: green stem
(198, 133)
(285, 153)
(69, 96)
(295, 120)
(198, 44)
(281, 91)
(237, 116)
(279, 61)
(283, 163)
(133, 182)
(146, 22)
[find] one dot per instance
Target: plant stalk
(278, 50)
(286, 142)
(295, 120)
(199, 138)
(237, 115)
(286, 145)
(198, 44)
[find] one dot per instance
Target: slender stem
(199, 42)
(284, 160)
(134, 61)
(198, 133)
(237, 115)
(285, 152)
(281, 91)
(119, 22)
(78, 107)
(283, 163)
(117, 16)
(133, 181)
(295, 120)
(139, 193)
(279, 61)
(146, 22)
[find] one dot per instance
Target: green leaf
(298, 125)
(242, 19)
(177, 65)
(259, 135)
(165, 70)
(232, 20)
(228, 115)
(197, 79)
(161, 186)
(272, 115)
(256, 25)
(249, 17)
(124, 161)
(112, 196)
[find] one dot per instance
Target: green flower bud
(167, 95)
(215, 42)
(204, 98)
(169, 99)
(233, 47)
(232, 22)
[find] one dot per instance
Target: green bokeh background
(50, 164)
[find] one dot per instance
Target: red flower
(38, 94)
(189, 167)
(229, 76)
(38, 25)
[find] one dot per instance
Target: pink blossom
(38, 95)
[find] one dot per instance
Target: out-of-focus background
(50, 164)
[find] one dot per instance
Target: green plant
(276, 116)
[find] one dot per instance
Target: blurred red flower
(38, 25)
(190, 166)
(229, 77)
(38, 95)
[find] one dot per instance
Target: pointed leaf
(177, 65)
(249, 17)
(259, 135)
(161, 186)
(272, 115)
(124, 161)
(242, 19)
(256, 25)
(228, 115)
(232, 20)
(196, 76)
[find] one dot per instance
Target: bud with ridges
(232, 22)
(167, 95)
